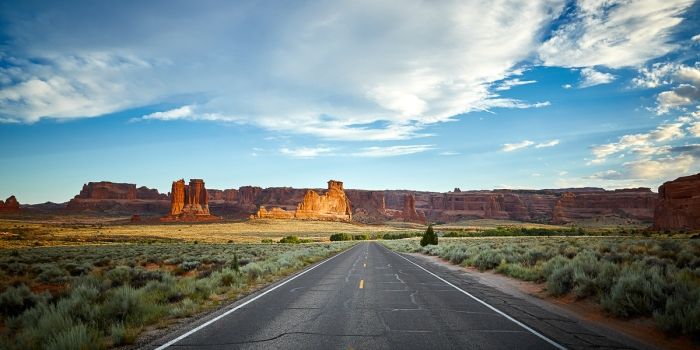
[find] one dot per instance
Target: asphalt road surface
(369, 297)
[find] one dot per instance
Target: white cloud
(391, 151)
(184, 112)
(329, 71)
(642, 144)
(657, 75)
(510, 147)
(567, 86)
(687, 92)
(591, 77)
(695, 37)
(547, 144)
(189, 112)
(306, 152)
(508, 84)
(694, 129)
(614, 34)
(663, 168)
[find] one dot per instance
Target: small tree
(429, 237)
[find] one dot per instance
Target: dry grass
(15, 234)
(478, 224)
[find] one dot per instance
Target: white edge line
(190, 332)
(543, 337)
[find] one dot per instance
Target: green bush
(362, 237)
(341, 237)
(429, 237)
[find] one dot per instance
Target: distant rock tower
(189, 202)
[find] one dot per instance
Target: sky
(379, 94)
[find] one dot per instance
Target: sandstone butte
(333, 205)
(678, 206)
(10, 205)
(189, 202)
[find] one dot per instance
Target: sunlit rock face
(189, 202)
(678, 207)
(333, 205)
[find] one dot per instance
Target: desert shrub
(121, 334)
(681, 312)
(76, 269)
(341, 237)
(362, 237)
(186, 307)
(14, 300)
(488, 259)
(290, 239)
(518, 271)
(637, 292)
(266, 240)
(188, 265)
(52, 274)
(253, 270)
(163, 291)
(400, 235)
(123, 304)
(77, 337)
(560, 280)
(119, 275)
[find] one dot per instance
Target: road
(369, 297)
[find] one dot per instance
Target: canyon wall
(372, 206)
(10, 205)
(678, 206)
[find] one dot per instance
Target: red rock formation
(333, 205)
(678, 207)
(409, 210)
(189, 202)
(111, 198)
(628, 204)
(274, 213)
(107, 190)
(177, 197)
(144, 192)
(10, 205)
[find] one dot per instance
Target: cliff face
(678, 206)
(189, 202)
(336, 203)
(637, 204)
(10, 205)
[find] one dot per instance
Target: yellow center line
(362, 284)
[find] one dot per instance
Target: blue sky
(381, 95)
